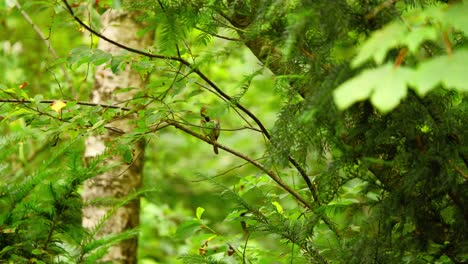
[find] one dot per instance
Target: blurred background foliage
(190, 187)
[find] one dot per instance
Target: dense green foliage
(342, 131)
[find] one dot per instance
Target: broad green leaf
(19, 112)
(380, 42)
(354, 90)
(187, 229)
(420, 26)
(81, 55)
(447, 70)
(6, 249)
(98, 124)
(418, 35)
(457, 16)
(99, 57)
(195, 93)
(126, 152)
(385, 86)
(391, 89)
(117, 64)
(143, 66)
(36, 251)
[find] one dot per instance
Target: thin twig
(379, 8)
(226, 171)
(21, 101)
(260, 166)
(49, 46)
(220, 129)
(218, 36)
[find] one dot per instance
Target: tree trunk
(122, 180)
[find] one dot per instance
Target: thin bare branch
(260, 166)
(20, 101)
(379, 8)
(218, 36)
(49, 47)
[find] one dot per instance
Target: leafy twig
(21, 101)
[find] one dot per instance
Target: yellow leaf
(57, 106)
(278, 206)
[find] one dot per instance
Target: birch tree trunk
(122, 180)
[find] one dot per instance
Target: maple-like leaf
(385, 86)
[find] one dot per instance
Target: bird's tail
(215, 148)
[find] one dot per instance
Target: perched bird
(210, 128)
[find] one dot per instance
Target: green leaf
(200, 211)
(36, 251)
(278, 206)
(6, 249)
(98, 124)
(187, 229)
(420, 26)
(79, 55)
(195, 93)
(143, 66)
(418, 35)
(380, 42)
(447, 70)
(457, 16)
(19, 112)
(117, 64)
(99, 57)
(83, 54)
(127, 155)
(385, 86)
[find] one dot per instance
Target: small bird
(210, 128)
